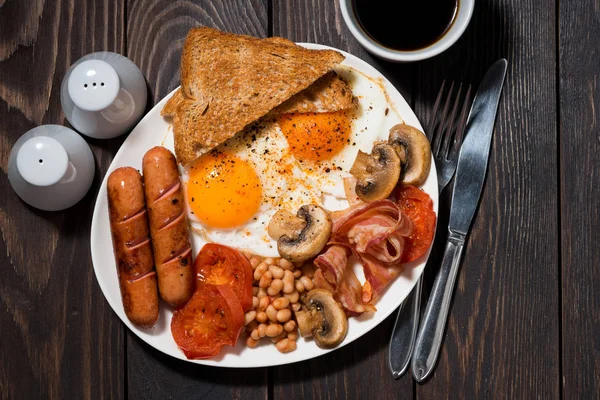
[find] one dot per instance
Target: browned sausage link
(131, 243)
(168, 226)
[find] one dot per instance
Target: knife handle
(429, 339)
(405, 331)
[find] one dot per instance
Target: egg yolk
(316, 137)
(223, 191)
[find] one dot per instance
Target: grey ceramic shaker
(103, 95)
(51, 167)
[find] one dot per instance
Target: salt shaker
(103, 95)
(51, 167)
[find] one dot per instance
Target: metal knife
(468, 182)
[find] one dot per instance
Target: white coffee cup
(461, 21)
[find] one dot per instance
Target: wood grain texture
(155, 34)
(60, 335)
(360, 369)
(580, 204)
(502, 338)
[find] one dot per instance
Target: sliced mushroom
(377, 173)
(301, 236)
(323, 318)
(414, 151)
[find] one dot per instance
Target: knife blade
(468, 183)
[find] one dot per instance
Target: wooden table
(525, 320)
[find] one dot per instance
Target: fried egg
(284, 161)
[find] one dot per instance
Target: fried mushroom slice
(377, 173)
(414, 151)
(302, 236)
(322, 318)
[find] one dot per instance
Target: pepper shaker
(103, 95)
(51, 167)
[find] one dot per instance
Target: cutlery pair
(470, 165)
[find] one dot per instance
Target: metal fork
(445, 133)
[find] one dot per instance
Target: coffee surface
(406, 25)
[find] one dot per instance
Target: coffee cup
(358, 14)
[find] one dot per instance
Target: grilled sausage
(132, 248)
(168, 226)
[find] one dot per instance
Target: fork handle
(405, 331)
(430, 335)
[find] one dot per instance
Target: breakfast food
(328, 94)
(414, 151)
(168, 226)
(296, 176)
(323, 319)
(277, 287)
(211, 319)
(222, 265)
(131, 243)
(229, 81)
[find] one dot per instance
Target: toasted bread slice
(229, 81)
(328, 94)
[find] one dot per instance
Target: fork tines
(445, 129)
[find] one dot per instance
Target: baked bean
(262, 330)
(288, 282)
(280, 303)
(274, 330)
(273, 298)
(284, 315)
(285, 264)
(271, 313)
(299, 287)
(254, 301)
(254, 290)
(297, 273)
(265, 280)
(261, 293)
(276, 286)
(254, 261)
(263, 303)
(254, 335)
(286, 345)
(249, 317)
(293, 335)
(290, 326)
(261, 317)
(251, 342)
(270, 261)
(260, 270)
(307, 282)
(293, 296)
(296, 307)
(276, 271)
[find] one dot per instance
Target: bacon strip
(374, 232)
(332, 263)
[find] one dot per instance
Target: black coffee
(406, 24)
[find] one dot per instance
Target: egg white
(265, 148)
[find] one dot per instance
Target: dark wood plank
(155, 34)
(360, 369)
(502, 338)
(580, 204)
(60, 339)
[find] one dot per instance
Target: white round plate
(154, 130)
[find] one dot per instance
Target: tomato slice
(212, 318)
(222, 265)
(418, 206)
